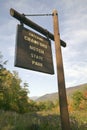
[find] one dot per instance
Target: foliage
(2, 63)
(80, 100)
(13, 96)
(40, 106)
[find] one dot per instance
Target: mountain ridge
(54, 96)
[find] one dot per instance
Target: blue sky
(72, 17)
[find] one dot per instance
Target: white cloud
(75, 73)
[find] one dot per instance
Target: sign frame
(33, 51)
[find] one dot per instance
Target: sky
(72, 17)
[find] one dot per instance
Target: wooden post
(60, 76)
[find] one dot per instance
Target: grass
(40, 121)
(81, 118)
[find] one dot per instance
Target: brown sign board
(33, 51)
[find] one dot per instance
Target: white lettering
(36, 49)
(43, 45)
(37, 63)
(36, 57)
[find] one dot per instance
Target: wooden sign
(33, 51)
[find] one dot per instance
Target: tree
(2, 63)
(80, 99)
(19, 94)
(13, 96)
(77, 97)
